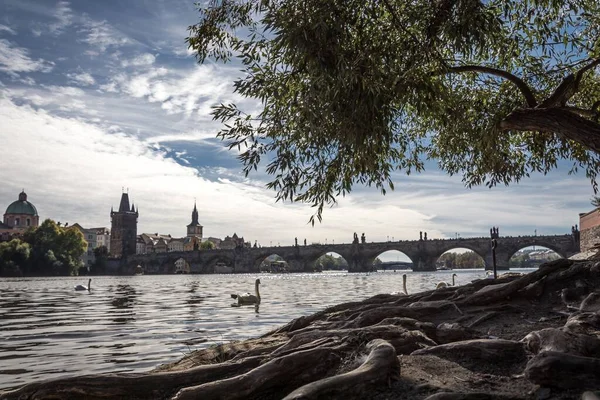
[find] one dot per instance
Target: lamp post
(535, 236)
(494, 245)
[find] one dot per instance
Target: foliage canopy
(46, 250)
(352, 90)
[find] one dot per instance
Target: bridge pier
(424, 263)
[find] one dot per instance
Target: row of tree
(467, 259)
(45, 250)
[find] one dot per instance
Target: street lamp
(325, 240)
(535, 235)
(270, 243)
(333, 241)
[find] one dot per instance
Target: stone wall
(589, 226)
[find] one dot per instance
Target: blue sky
(97, 96)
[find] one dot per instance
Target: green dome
(22, 206)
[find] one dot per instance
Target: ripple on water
(48, 330)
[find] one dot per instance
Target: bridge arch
(219, 263)
(538, 243)
(459, 258)
(532, 257)
(270, 262)
(330, 260)
(392, 259)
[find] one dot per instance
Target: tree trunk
(556, 120)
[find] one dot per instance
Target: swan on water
(403, 287)
(81, 287)
(444, 284)
(247, 298)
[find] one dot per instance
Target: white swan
(444, 284)
(403, 287)
(81, 287)
(247, 298)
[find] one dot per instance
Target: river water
(135, 323)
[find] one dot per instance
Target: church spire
(195, 215)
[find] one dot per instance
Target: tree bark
(557, 120)
(381, 366)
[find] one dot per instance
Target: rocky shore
(534, 336)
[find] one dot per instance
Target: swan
(247, 298)
(81, 287)
(403, 287)
(443, 284)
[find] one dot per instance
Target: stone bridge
(360, 257)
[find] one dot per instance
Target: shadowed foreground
(518, 337)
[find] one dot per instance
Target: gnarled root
(563, 370)
(381, 366)
(130, 386)
(296, 369)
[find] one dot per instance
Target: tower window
(17, 221)
(28, 222)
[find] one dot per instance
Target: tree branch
(518, 82)
(568, 87)
(557, 120)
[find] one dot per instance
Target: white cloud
(4, 28)
(82, 78)
(190, 91)
(15, 59)
(74, 170)
(141, 60)
(64, 18)
(100, 35)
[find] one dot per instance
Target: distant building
(94, 237)
(232, 242)
(175, 244)
(589, 229)
(102, 237)
(123, 239)
(182, 266)
(19, 216)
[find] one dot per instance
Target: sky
(101, 97)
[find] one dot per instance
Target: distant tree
(207, 245)
(596, 201)
(351, 91)
(54, 250)
(101, 257)
(14, 257)
(468, 259)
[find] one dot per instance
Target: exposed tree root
(297, 368)
(380, 367)
(130, 386)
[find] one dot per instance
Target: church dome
(22, 206)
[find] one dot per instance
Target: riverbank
(466, 340)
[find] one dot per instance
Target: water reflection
(136, 323)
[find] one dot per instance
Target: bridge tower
(123, 231)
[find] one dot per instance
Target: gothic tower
(194, 229)
(123, 228)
